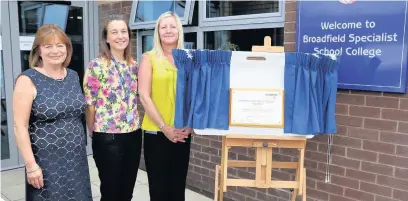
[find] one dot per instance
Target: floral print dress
(104, 90)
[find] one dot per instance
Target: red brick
(290, 17)
(402, 127)
(363, 176)
(347, 141)
(339, 198)
(343, 181)
(290, 37)
(401, 173)
(394, 138)
(345, 162)
(195, 147)
(358, 195)
(377, 168)
(330, 188)
(393, 160)
(263, 196)
(215, 159)
(311, 146)
(289, 47)
(280, 193)
(392, 182)
(334, 169)
(317, 175)
(202, 156)
(280, 175)
(361, 155)
(386, 102)
(380, 124)
(400, 195)
(350, 99)
(310, 183)
(321, 195)
(315, 156)
(403, 104)
(210, 150)
(381, 198)
(235, 196)
(342, 130)
(375, 189)
(290, 6)
(342, 109)
(393, 114)
(201, 140)
(335, 150)
(366, 134)
(379, 147)
(402, 150)
(215, 144)
(289, 152)
(396, 95)
(365, 111)
(290, 27)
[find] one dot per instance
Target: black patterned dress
(58, 139)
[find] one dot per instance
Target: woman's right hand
(172, 134)
(35, 177)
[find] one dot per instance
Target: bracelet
(161, 126)
(31, 171)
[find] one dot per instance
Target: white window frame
(140, 34)
(185, 20)
(277, 18)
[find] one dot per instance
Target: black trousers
(117, 158)
(166, 166)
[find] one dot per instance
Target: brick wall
(370, 151)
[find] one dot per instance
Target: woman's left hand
(184, 131)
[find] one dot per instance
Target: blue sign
(369, 36)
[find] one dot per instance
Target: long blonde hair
(157, 47)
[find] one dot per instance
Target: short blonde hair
(45, 34)
(157, 47)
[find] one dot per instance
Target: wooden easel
(263, 156)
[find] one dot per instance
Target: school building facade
(369, 152)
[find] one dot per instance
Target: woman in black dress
(48, 104)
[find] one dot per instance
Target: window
(34, 15)
(232, 40)
(190, 41)
(234, 8)
(145, 13)
(227, 13)
(147, 43)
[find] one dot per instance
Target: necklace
(57, 79)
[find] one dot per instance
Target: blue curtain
(310, 93)
(202, 92)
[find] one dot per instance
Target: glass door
(9, 152)
(74, 17)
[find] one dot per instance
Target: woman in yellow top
(166, 149)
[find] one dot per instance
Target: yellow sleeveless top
(163, 92)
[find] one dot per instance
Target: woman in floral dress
(110, 86)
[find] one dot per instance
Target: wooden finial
(267, 47)
(267, 41)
